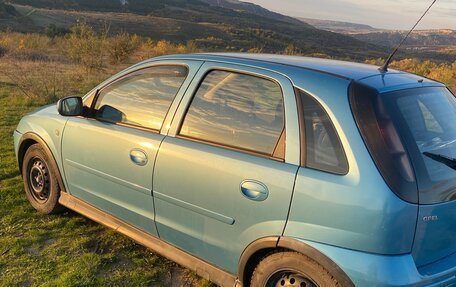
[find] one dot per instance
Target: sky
(388, 14)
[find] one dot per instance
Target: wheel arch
(256, 251)
(27, 140)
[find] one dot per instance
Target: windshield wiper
(446, 160)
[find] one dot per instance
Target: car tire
(40, 181)
(291, 269)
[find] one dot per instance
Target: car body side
(353, 221)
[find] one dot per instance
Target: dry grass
(42, 80)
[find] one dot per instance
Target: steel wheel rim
(290, 279)
(38, 180)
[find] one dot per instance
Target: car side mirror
(70, 106)
(110, 114)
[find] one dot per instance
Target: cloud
(392, 14)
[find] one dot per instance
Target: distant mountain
(418, 39)
(215, 24)
(338, 26)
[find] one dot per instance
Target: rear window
(426, 119)
(411, 135)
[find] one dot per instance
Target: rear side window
(324, 150)
(141, 99)
(237, 110)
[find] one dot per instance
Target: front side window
(142, 99)
(324, 150)
(237, 110)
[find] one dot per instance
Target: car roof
(344, 69)
(363, 73)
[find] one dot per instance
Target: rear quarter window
(323, 147)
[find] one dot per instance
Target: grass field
(67, 249)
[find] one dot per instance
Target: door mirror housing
(110, 114)
(70, 106)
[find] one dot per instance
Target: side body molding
(260, 248)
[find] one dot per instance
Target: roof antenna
(384, 68)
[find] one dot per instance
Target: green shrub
(292, 50)
(53, 31)
(121, 47)
(3, 51)
(86, 47)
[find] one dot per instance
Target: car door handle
(138, 157)
(254, 190)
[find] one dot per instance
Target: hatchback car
(260, 170)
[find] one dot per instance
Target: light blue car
(260, 170)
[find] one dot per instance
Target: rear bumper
(437, 269)
(366, 269)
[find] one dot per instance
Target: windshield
(426, 121)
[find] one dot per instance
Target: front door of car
(109, 157)
(224, 176)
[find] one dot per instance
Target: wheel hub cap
(293, 280)
(39, 181)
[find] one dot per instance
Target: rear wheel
(291, 269)
(40, 181)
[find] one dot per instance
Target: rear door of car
(109, 156)
(225, 173)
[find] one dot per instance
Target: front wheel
(291, 269)
(40, 181)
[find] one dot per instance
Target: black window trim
(302, 135)
(383, 166)
(281, 140)
(302, 128)
(142, 70)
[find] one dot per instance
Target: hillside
(155, 7)
(222, 25)
(213, 25)
(7, 11)
(251, 8)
